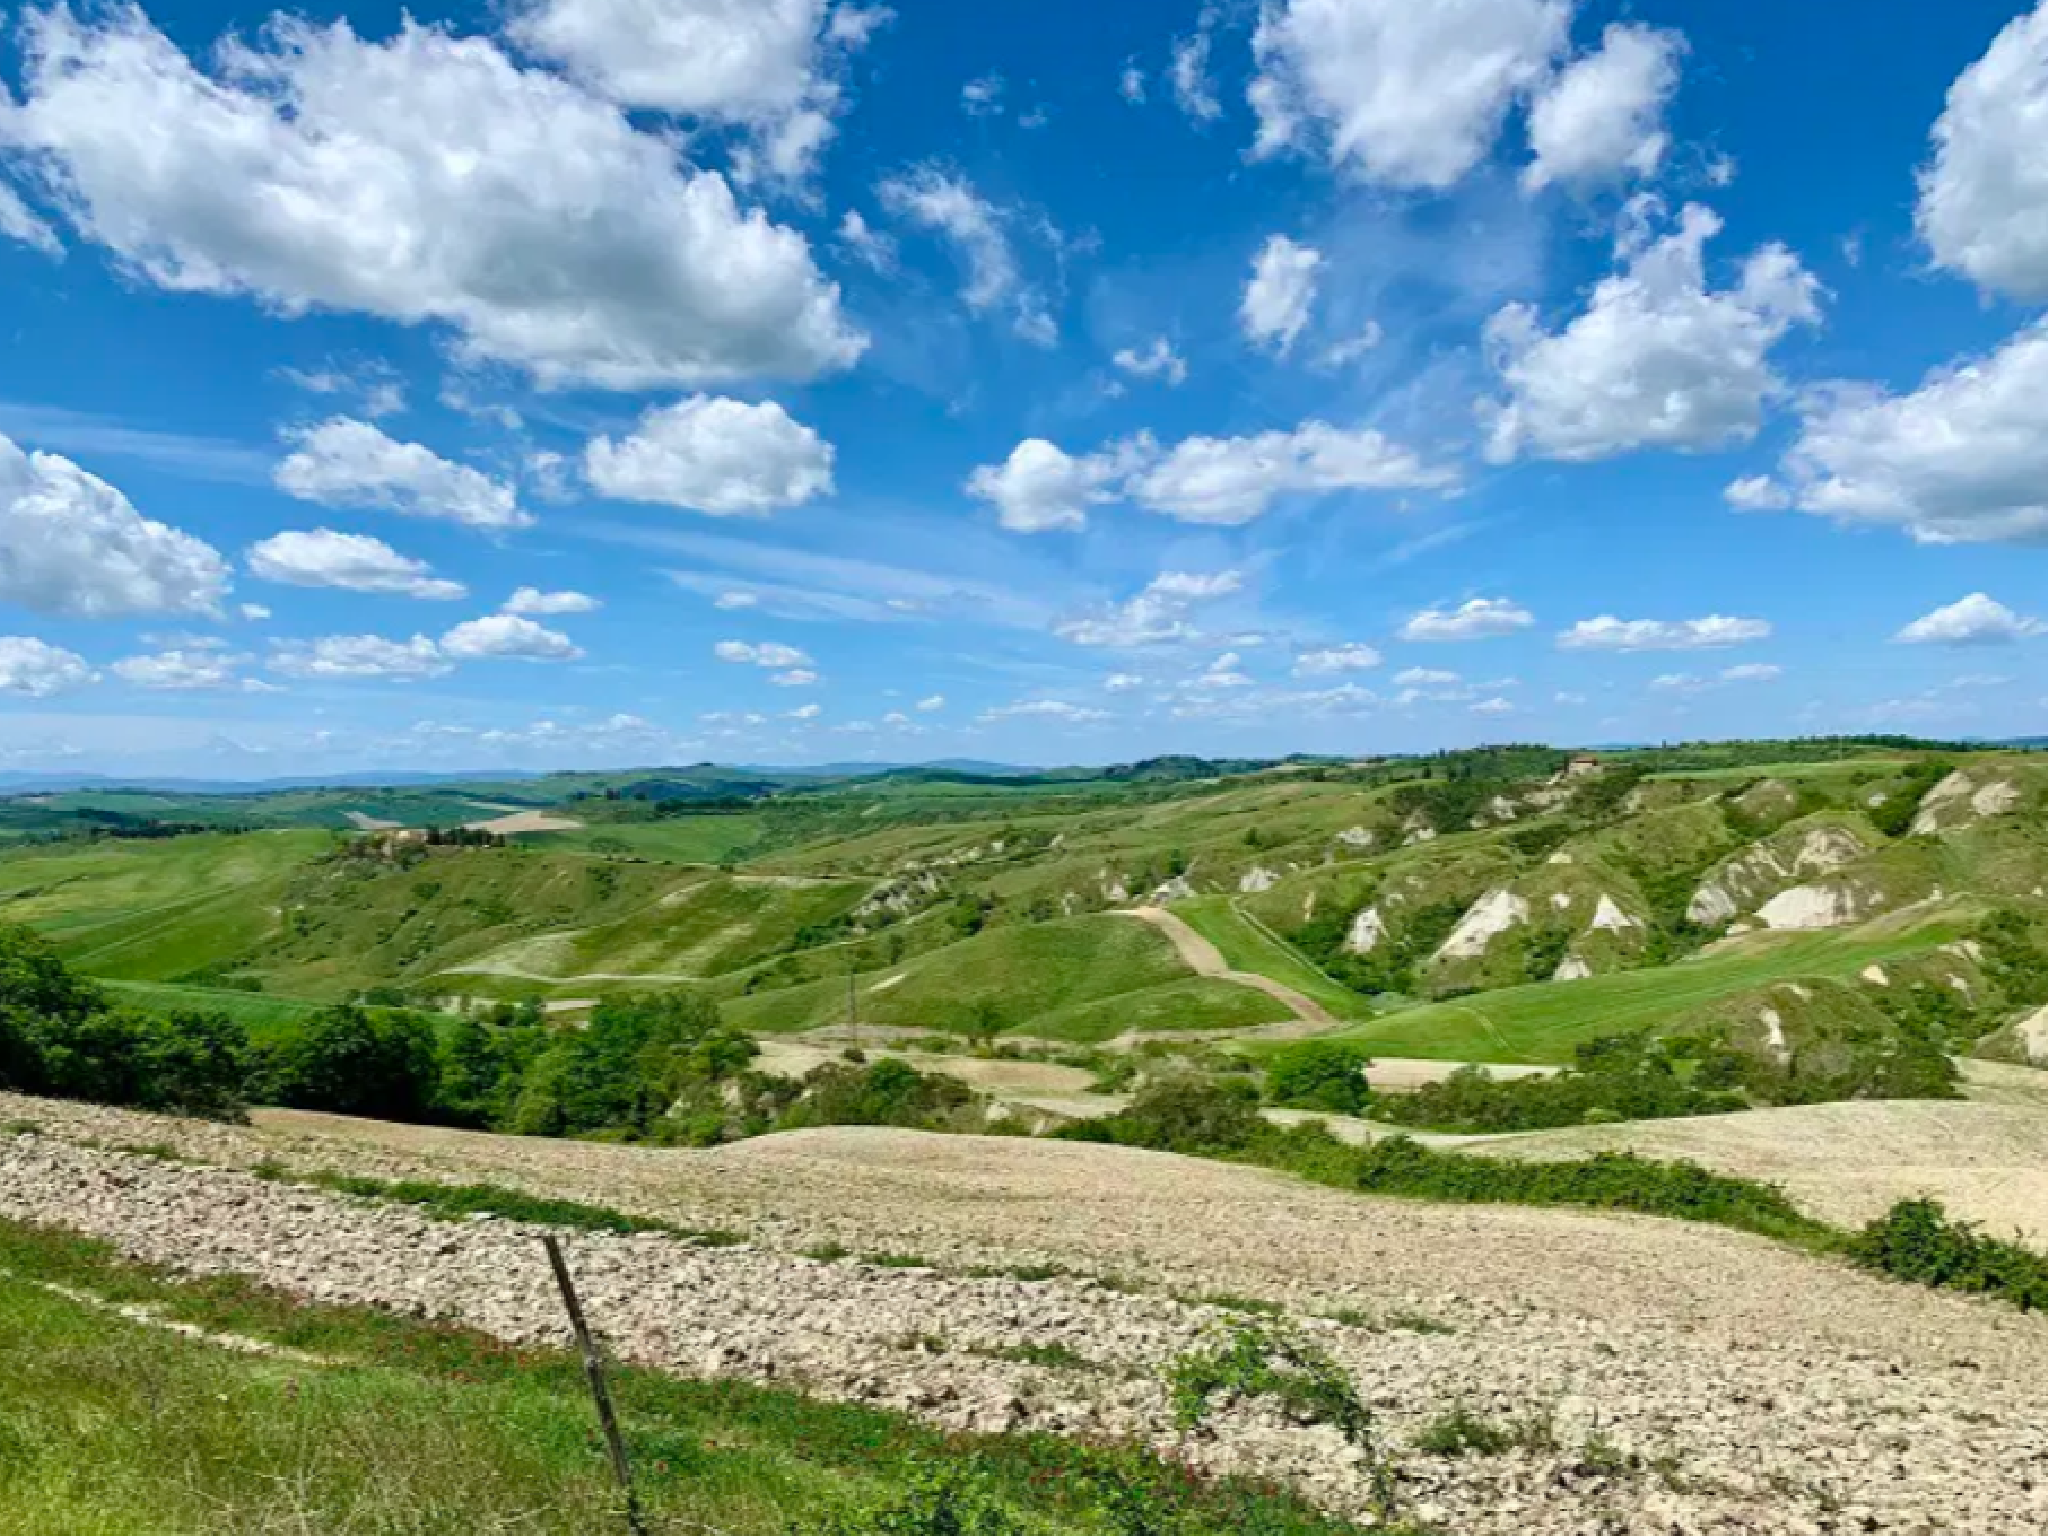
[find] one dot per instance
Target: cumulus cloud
(1757, 493)
(1236, 479)
(72, 544)
(1493, 706)
(1158, 615)
(1601, 118)
(1193, 91)
(1975, 620)
(424, 179)
(342, 657)
(184, 671)
(1281, 293)
(39, 670)
(1656, 359)
(868, 244)
(768, 653)
(1336, 658)
(1982, 195)
(795, 677)
(724, 457)
(351, 561)
(1753, 672)
(1963, 459)
(1427, 677)
(805, 712)
(1401, 94)
(1608, 633)
(1158, 361)
(1482, 618)
(534, 602)
(343, 462)
(1041, 487)
(932, 704)
(506, 636)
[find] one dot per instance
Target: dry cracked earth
(1722, 1383)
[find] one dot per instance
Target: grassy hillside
(1247, 945)
(1542, 1024)
(1023, 972)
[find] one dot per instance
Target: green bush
(356, 1061)
(1916, 1241)
(1320, 1074)
(1182, 1114)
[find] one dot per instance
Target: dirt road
(1205, 959)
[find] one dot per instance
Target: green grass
(115, 1428)
(1542, 1023)
(1247, 946)
(262, 1015)
(1025, 971)
(678, 840)
(1198, 1002)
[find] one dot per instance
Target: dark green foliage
(2014, 957)
(1268, 1360)
(1463, 1433)
(1629, 1077)
(1895, 817)
(1916, 1241)
(886, 1092)
(60, 1036)
(1598, 798)
(1320, 1074)
(1394, 963)
(356, 1061)
(1182, 1114)
(624, 1071)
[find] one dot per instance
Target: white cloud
(1041, 487)
(724, 457)
(1601, 118)
(1046, 709)
(1757, 493)
(72, 544)
(1495, 706)
(351, 561)
(1608, 633)
(1193, 91)
(1403, 94)
(1131, 85)
(183, 671)
(1157, 615)
(533, 601)
(1975, 620)
(1982, 198)
(769, 653)
(983, 97)
(948, 205)
(932, 704)
(1236, 479)
(359, 656)
(1656, 360)
(343, 462)
(805, 712)
(795, 677)
(1753, 672)
(1338, 658)
(506, 636)
(733, 602)
(1963, 459)
(425, 179)
(39, 670)
(1158, 361)
(19, 223)
(1569, 700)
(1427, 677)
(375, 386)
(1280, 294)
(1122, 682)
(1686, 682)
(867, 243)
(255, 613)
(1343, 354)
(1482, 618)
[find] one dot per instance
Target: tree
(355, 1061)
(1328, 1075)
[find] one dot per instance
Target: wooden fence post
(593, 1370)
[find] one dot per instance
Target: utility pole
(853, 1002)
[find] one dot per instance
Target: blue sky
(600, 382)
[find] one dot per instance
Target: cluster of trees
(1626, 1077)
(61, 1036)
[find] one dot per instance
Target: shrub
(354, 1061)
(1266, 1359)
(1182, 1114)
(1916, 1241)
(1320, 1074)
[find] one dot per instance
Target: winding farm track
(1205, 959)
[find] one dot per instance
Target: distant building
(1582, 766)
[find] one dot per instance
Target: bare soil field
(526, 821)
(1759, 1390)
